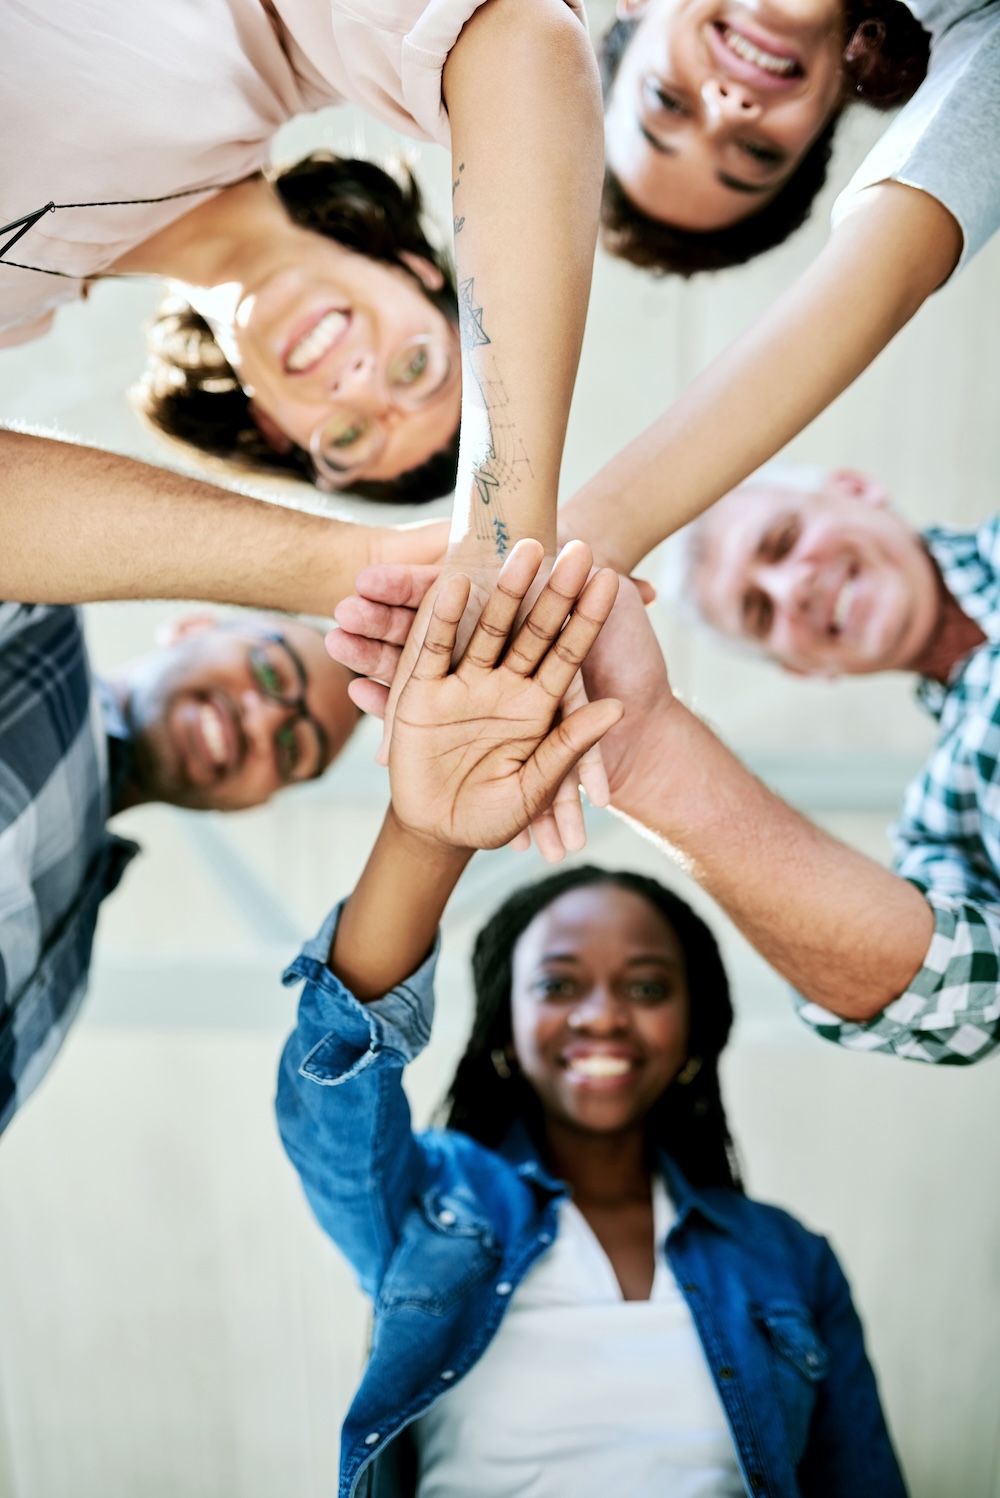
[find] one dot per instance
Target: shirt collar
(969, 564)
(519, 1150)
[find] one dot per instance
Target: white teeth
(314, 344)
(600, 1066)
(842, 608)
(750, 52)
(213, 734)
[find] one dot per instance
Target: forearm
(78, 525)
(524, 101)
(873, 274)
(388, 925)
(847, 933)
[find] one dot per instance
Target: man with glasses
(221, 718)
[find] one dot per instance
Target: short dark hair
(886, 51)
(189, 390)
(689, 1122)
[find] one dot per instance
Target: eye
(348, 436)
(287, 751)
(661, 98)
(265, 675)
(758, 614)
(649, 991)
(554, 988)
(766, 155)
(414, 367)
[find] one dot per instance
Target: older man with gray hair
(813, 569)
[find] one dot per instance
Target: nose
(728, 102)
(357, 383)
(599, 1012)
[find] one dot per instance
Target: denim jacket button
(447, 1218)
(373, 1439)
(545, 1238)
(447, 1375)
(504, 1287)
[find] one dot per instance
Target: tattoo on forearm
(459, 221)
(470, 317)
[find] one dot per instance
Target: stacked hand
(473, 755)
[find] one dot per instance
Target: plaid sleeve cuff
(950, 1014)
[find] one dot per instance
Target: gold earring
(500, 1063)
(688, 1071)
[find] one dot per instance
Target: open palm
(474, 756)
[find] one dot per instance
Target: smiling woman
(340, 362)
(720, 117)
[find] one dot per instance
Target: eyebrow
(735, 184)
(642, 959)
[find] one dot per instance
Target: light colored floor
(172, 1322)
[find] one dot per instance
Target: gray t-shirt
(946, 141)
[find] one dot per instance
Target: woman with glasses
(132, 140)
(572, 1293)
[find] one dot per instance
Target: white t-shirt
(946, 141)
(582, 1392)
(103, 100)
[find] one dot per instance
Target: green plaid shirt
(947, 841)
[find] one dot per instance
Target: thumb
(559, 750)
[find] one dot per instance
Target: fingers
(376, 621)
(367, 657)
(550, 610)
(434, 657)
(395, 583)
(489, 638)
(547, 839)
(568, 814)
(590, 772)
(569, 649)
(370, 696)
(561, 749)
(521, 843)
(645, 590)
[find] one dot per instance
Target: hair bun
(886, 54)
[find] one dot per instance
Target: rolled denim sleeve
(950, 1014)
(342, 1114)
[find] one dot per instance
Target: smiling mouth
(312, 346)
(778, 65)
(599, 1066)
(843, 605)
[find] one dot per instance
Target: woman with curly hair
(572, 1293)
(137, 154)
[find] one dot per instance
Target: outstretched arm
(844, 931)
(78, 525)
(474, 754)
(524, 102)
(877, 268)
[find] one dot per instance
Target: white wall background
(171, 1320)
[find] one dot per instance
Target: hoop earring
(688, 1071)
(501, 1065)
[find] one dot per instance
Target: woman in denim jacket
(572, 1294)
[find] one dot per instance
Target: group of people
(572, 1292)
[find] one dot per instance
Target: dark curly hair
(886, 51)
(689, 1122)
(190, 392)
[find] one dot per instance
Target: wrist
(435, 856)
(656, 768)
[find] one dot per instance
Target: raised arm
(78, 525)
(524, 101)
(847, 933)
(877, 268)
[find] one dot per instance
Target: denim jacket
(441, 1231)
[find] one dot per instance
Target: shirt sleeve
(950, 1014)
(945, 140)
(342, 1113)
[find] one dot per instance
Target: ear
(853, 484)
(430, 278)
(269, 429)
(184, 627)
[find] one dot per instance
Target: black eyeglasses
(301, 746)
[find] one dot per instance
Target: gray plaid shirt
(947, 841)
(57, 860)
